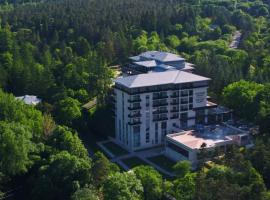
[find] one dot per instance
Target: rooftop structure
(158, 56)
(29, 99)
(156, 61)
(165, 78)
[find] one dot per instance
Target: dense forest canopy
(62, 50)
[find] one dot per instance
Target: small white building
(186, 145)
(29, 99)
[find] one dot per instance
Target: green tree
(181, 168)
(64, 139)
(85, 194)
(68, 110)
(102, 168)
(123, 186)
(61, 177)
(184, 188)
(151, 181)
(240, 96)
(15, 148)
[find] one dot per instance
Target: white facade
(143, 120)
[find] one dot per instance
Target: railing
(135, 108)
(135, 115)
(184, 109)
(184, 94)
(175, 95)
(134, 100)
(184, 102)
(174, 103)
(155, 119)
(174, 110)
(160, 104)
(174, 117)
(160, 111)
(134, 122)
(155, 97)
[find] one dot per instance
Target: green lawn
(115, 149)
(134, 162)
(163, 162)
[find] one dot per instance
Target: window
(136, 136)
(119, 128)
(136, 139)
(190, 92)
(147, 101)
(127, 134)
(156, 133)
(136, 129)
(178, 149)
(147, 136)
(163, 130)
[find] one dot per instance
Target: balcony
(158, 104)
(174, 117)
(160, 111)
(184, 102)
(184, 109)
(135, 108)
(134, 115)
(184, 94)
(174, 103)
(134, 122)
(155, 97)
(135, 100)
(155, 119)
(174, 110)
(174, 95)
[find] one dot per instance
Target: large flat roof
(158, 56)
(193, 141)
(161, 56)
(148, 63)
(211, 136)
(159, 78)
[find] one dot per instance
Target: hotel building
(158, 95)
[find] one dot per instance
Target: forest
(62, 51)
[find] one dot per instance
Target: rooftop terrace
(210, 136)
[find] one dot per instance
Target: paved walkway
(236, 40)
(143, 155)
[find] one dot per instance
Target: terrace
(211, 136)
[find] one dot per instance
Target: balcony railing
(134, 122)
(160, 97)
(174, 103)
(135, 108)
(184, 102)
(155, 119)
(174, 95)
(134, 115)
(174, 117)
(184, 109)
(134, 100)
(184, 94)
(160, 111)
(174, 110)
(160, 103)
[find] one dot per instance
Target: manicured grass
(163, 161)
(115, 149)
(133, 162)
